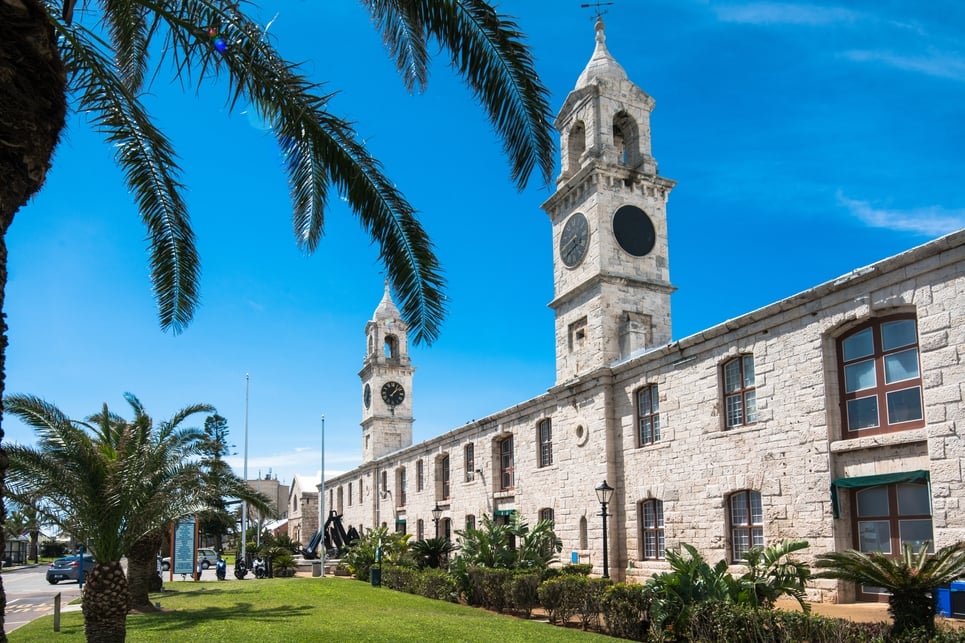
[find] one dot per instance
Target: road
(30, 596)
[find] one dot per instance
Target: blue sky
(807, 140)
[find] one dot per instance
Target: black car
(68, 568)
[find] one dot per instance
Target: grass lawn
(304, 609)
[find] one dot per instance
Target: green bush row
(428, 582)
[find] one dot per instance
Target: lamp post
(436, 514)
(603, 493)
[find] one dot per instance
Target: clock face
(367, 396)
(392, 393)
(634, 230)
(574, 240)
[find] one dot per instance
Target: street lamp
(603, 493)
(436, 514)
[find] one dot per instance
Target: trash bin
(316, 568)
(376, 574)
(957, 599)
(943, 601)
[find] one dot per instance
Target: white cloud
(781, 13)
(931, 221)
(934, 63)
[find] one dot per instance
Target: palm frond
(320, 151)
(404, 36)
(489, 51)
(129, 31)
(150, 170)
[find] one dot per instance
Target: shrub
(494, 587)
(589, 599)
(559, 597)
(573, 569)
(283, 564)
(437, 584)
(401, 579)
(625, 610)
(716, 621)
(524, 592)
(52, 549)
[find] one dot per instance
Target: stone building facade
(302, 503)
(833, 416)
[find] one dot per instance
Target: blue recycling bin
(943, 601)
(957, 598)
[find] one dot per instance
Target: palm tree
(431, 552)
(109, 483)
(46, 57)
(910, 578)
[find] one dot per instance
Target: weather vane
(598, 6)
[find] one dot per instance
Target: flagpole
(321, 499)
(244, 505)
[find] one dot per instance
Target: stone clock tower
(610, 261)
(386, 383)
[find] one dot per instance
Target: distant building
(833, 416)
(302, 505)
(276, 491)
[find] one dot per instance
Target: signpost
(182, 545)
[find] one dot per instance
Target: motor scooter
(220, 568)
(241, 570)
(259, 567)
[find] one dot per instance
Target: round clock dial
(367, 396)
(392, 393)
(574, 240)
(634, 230)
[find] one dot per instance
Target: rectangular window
(651, 514)
(506, 461)
(444, 476)
(350, 494)
(545, 442)
(469, 454)
(746, 523)
(401, 488)
(546, 514)
(420, 477)
(889, 516)
(648, 415)
(470, 522)
(740, 394)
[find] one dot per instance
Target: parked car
(68, 568)
(207, 558)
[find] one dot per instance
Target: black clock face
(367, 396)
(574, 240)
(392, 393)
(634, 230)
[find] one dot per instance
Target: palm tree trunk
(105, 603)
(33, 101)
(142, 570)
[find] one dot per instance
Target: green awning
(859, 482)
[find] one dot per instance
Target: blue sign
(184, 547)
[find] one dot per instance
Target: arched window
(648, 415)
(626, 139)
(576, 145)
(651, 529)
(546, 514)
(442, 477)
(391, 347)
(880, 377)
(740, 394)
(746, 517)
(545, 441)
(470, 521)
(507, 476)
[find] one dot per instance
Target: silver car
(206, 557)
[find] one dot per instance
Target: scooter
(221, 568)
(241, 570)
(259, 568)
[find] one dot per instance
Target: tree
(431, 552)
(46, 57)
(108, 482)
(910, 578)
(215, 519)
